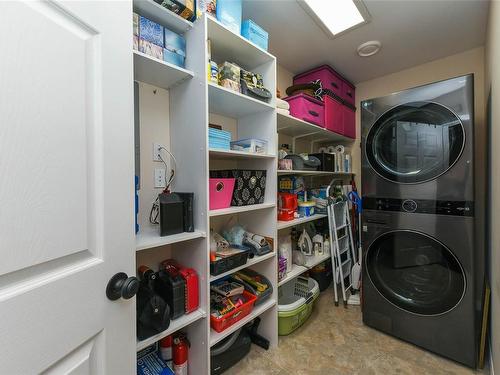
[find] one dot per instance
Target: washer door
(415, 142)
(415, 272)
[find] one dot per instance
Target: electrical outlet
(157, 151)
(159, 178)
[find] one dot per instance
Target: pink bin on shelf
(307, 108)
(334, 115)
(329, 78)
(220, 192)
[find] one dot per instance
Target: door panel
(66, 157)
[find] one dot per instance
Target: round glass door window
(415, 142)
(415, 272)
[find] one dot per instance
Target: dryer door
(415, 142)
(415, 272)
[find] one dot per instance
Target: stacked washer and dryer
(423, 273)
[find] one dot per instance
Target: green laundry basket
(295, 303)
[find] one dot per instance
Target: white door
(66, 187)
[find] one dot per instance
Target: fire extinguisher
(166, 349)
(180, 352)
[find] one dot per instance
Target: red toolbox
(225, 321)
(192, 299)
(307, 108)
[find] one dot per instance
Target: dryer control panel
(420, 206)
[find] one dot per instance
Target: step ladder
(342, 251)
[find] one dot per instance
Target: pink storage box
(348, 92)
(349, 121)
(220, 191)
(334, 115)
(307, 108)
(329, 78)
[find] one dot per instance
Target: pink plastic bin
(220, 192)
(307, 108)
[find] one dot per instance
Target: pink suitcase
(307, 108)
(329, 78)
(220, 192)
(334, 115)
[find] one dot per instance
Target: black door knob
(122, 286)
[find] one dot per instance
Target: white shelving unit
(298, 270)
(301, 220)
(192, 100)
(283, 172)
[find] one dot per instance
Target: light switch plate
(159, 178)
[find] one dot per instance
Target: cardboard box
(136, 43)
(135, 18)
(173, 58)
(254, 33)
(184, 8)
(229, 14)
(151, 31)
(206, 6)
(150, 49)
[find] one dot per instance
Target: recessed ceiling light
(369, 48)
(336, 16)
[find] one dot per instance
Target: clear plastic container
(252, 145)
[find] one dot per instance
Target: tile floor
(335, 341)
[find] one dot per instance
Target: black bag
(153, 313)
(249, 188)
(229, 351)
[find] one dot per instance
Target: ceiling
(412, 32)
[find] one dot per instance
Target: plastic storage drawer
(329, 78)
(295, 304)
(307, 108)
(219, 324)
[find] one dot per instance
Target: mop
(356, 268)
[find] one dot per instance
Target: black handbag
(153, 313)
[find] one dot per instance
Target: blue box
(151, 31)
(173, 58)
(254, 33)
(150, 363)
(174, 42)
(229, 14)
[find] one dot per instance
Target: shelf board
(215, 337)
(298, 270)
(175, 325)
(232, 154)
(233, 104)
(237, 209)
(229, 46)
(295, 127)
(161, 15)
(301, 220)
(249, 263)
(149, 238)
(283, 172)
(157, 72)
(315, 260)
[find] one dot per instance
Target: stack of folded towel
(282, 106)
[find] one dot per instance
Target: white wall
(492, 82)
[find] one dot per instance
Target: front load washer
(418, 143)
(419, 278)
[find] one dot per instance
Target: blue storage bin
(229, 14)
(254, 33)
(219, 139)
